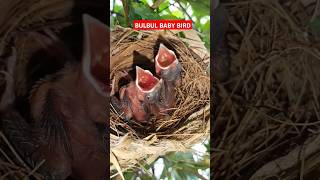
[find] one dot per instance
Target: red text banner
(162, 24)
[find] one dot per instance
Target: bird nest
(189, 123)
(267, 114)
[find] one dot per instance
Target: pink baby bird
(139, 95)
(168, 68)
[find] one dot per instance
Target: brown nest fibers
(267, 117)
(188, 124)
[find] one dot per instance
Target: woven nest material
(28, 27)
(267, 118)
(19, 38)
(189, 123)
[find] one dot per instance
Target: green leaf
(207, 145)
(167, 162)
(178, 13)
(165, 173)
(117, 8)
(169, 17)
(144, 11)
(164, 5)
(186, 156)
(130, 175)
(119, 20)
(144, 1)
(181, 34)
(200, 9)
(146, 177)
(176, 175)
(167, 165)
(112, 21)
(206, 27)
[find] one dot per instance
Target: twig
(14, 152)
(302, 155)
(126, 11)
(34, 170)
(184, 10)
(6, 156)
(115, 162)
(289, 160)
(156, 4)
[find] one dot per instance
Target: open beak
(165, 58)
(145, 81)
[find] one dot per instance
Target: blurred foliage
(176, 165)
(124, 13)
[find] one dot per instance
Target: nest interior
(267, 114)
(189, 121)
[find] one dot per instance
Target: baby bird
(168, 68)
(66, 109)
(138, 96)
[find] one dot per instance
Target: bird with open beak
(167, 68)
(138, 97)
(67, 109)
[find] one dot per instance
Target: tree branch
(184, 10)
(156, 4)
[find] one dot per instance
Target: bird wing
(52, 123)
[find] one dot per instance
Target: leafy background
(123, 12)
(175, 165)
